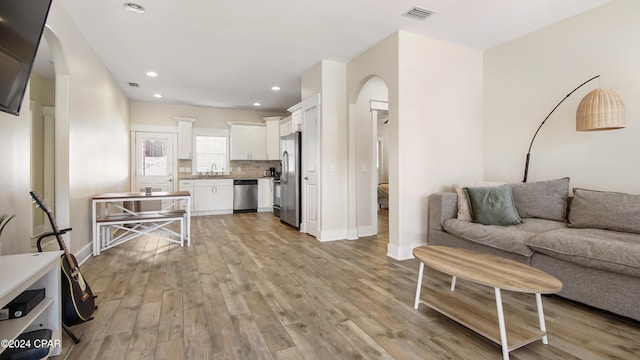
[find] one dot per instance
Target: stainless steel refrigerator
(290, 179)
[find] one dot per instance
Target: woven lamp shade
(600, 109)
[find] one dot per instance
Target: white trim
(378, 105)
(399, 253)
(85, 253)
(368, 230)
(154, 128)
(191, 120)
(331, 235)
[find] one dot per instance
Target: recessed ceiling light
(157, 95)
(275, 88)
(152, 74)
(256, 104)
(134, 7)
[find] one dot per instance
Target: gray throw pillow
(492, 205)
(542, 199)
(605, 210)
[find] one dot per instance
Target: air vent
(418, 13)
(132, 84)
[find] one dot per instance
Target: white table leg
(94, 229)
(188, 226)
(419, 287)
(543, 327)
(503, 328)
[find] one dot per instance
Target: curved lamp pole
(526, 166)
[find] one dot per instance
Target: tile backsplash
(239, 168)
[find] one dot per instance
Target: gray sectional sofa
(590, 241)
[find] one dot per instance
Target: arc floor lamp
(600, 109)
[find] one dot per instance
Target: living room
(511, 87)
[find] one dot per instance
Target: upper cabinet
(296, 117)
(255, 141)
(185, 130)
(272, 125)
(248, 141)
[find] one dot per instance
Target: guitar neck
(54, 227)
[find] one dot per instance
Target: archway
(59, 115)
(368, 118)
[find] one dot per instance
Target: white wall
(439, 129)
(525, 78)
(373, 89)
(144, 113)
(328, 78)
(97, 125)
(435, 93)
(379, 61)
(15, 153)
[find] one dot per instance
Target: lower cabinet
(265, 194)
(213, 196)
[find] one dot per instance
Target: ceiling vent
(418, 13)
(132, 84)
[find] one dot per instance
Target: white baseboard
(84, 254)
(367, 231)
(332, 235)
(400, 252)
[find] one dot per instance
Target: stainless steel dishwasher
(245, 195)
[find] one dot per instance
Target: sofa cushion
(542, 199)
(510, 238)
(613, 251)
(605, 210)
(464, 211)
(492, 205)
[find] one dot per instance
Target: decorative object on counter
(147, 190)
(599, 110)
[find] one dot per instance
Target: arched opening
(369, 120)
(51, 139)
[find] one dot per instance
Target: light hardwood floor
(251, 288)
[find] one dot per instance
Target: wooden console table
(493, 271)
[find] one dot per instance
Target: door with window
(154, 161)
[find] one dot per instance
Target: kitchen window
(211, 152)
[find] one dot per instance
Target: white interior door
(154, 161)
(310, 166)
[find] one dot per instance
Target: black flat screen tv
(21, 26)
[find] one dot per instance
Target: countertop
(196, 177)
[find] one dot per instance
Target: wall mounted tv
(21, 26)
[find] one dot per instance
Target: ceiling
(229, 53)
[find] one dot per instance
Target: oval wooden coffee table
(493, 271)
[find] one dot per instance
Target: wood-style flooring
(250, 287)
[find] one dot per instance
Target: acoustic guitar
(78, 302)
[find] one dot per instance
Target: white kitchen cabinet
(223, 196)
(272, 125)
(285, 126)
(186, 185)
(265, 194)
(185, 132)
(296, 117)
(27, 272)
(248, 141)
(213, 196)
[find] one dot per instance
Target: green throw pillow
(492, 205)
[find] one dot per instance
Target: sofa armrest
(442, 206)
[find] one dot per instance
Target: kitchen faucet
(214, 169)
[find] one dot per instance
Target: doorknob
(306, 178)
